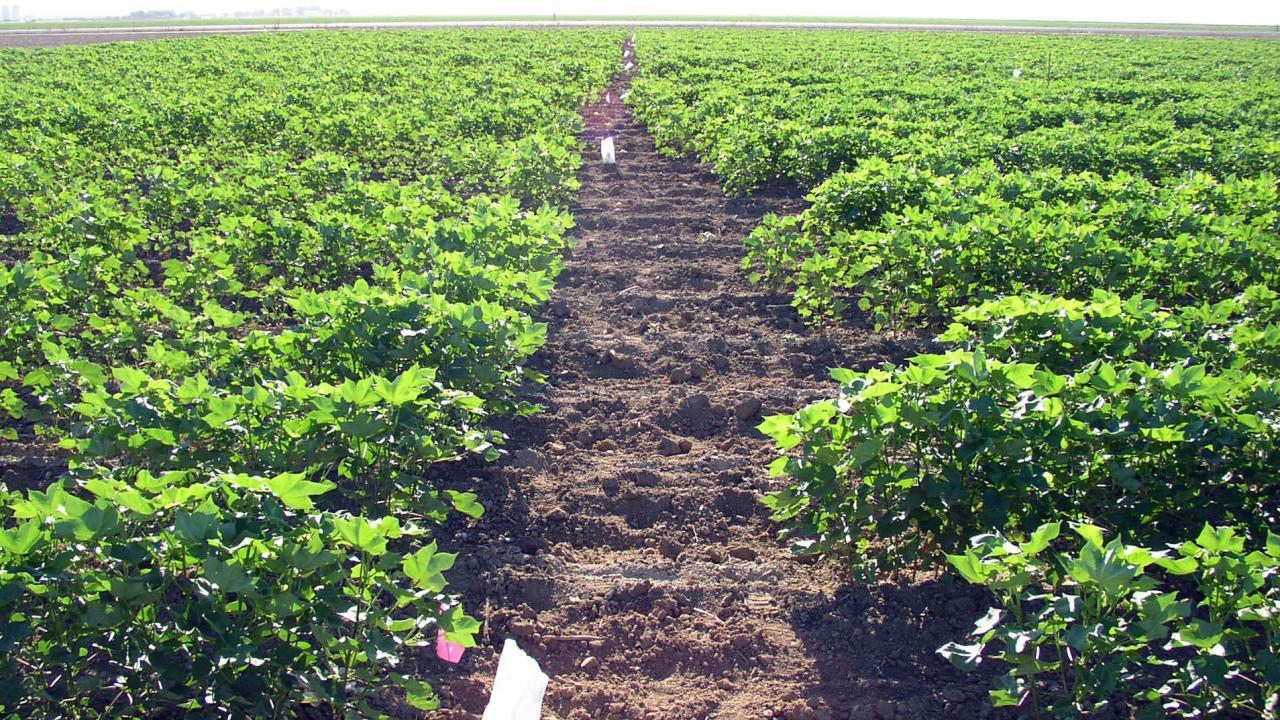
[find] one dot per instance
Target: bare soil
(625, 546)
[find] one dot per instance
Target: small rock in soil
(669, 549)
(742, 552)
(678, 375)
(558, 515)
(644, 478)
(670, 446)
(525, 458)
(619, 360)
(589, 663)
(610, 485)
(747, 408)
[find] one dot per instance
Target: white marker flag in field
(517, 688)
(606, 151)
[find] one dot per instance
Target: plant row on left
(254, 290)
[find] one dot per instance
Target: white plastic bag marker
(606, 151)
(629, 66)
(517, 688)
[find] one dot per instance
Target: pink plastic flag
(449, 652)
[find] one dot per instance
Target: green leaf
(970, 567)
(426, 568)
(228, 577)
(131, 380)
(465, 503)
(358, 392)
(1040, 539)
(1200, 633)
(1177, 566)
(296, 491)
(1021, 375)
(360, 533)
(221, 317)
(221, 411)
(1165, 434)
(362, 426)
(1105, 567)
(406, 388)
(965, 657)
(1091, 533)
(120, 494)
(92, 373)
(973, 368)
(86, 522)
(193, 388)
(779, 427)
(459, 627)
(1220, 540)
(842, 375)
(196, 527)
(21, 540)
(988, 622)
(419, 694)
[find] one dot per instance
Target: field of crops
(259, 295)
(1098, 220)
(240, 274)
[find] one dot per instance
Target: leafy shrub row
(909, 244)
(1101, 231)
(253, 292)
(1187, 631)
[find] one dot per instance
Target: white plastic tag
(517, 688)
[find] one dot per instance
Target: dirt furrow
(625, 546)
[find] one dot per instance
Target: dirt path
(625, 547)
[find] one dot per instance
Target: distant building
(4, 13)
(13, 13)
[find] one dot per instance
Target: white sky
(1263, 12)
